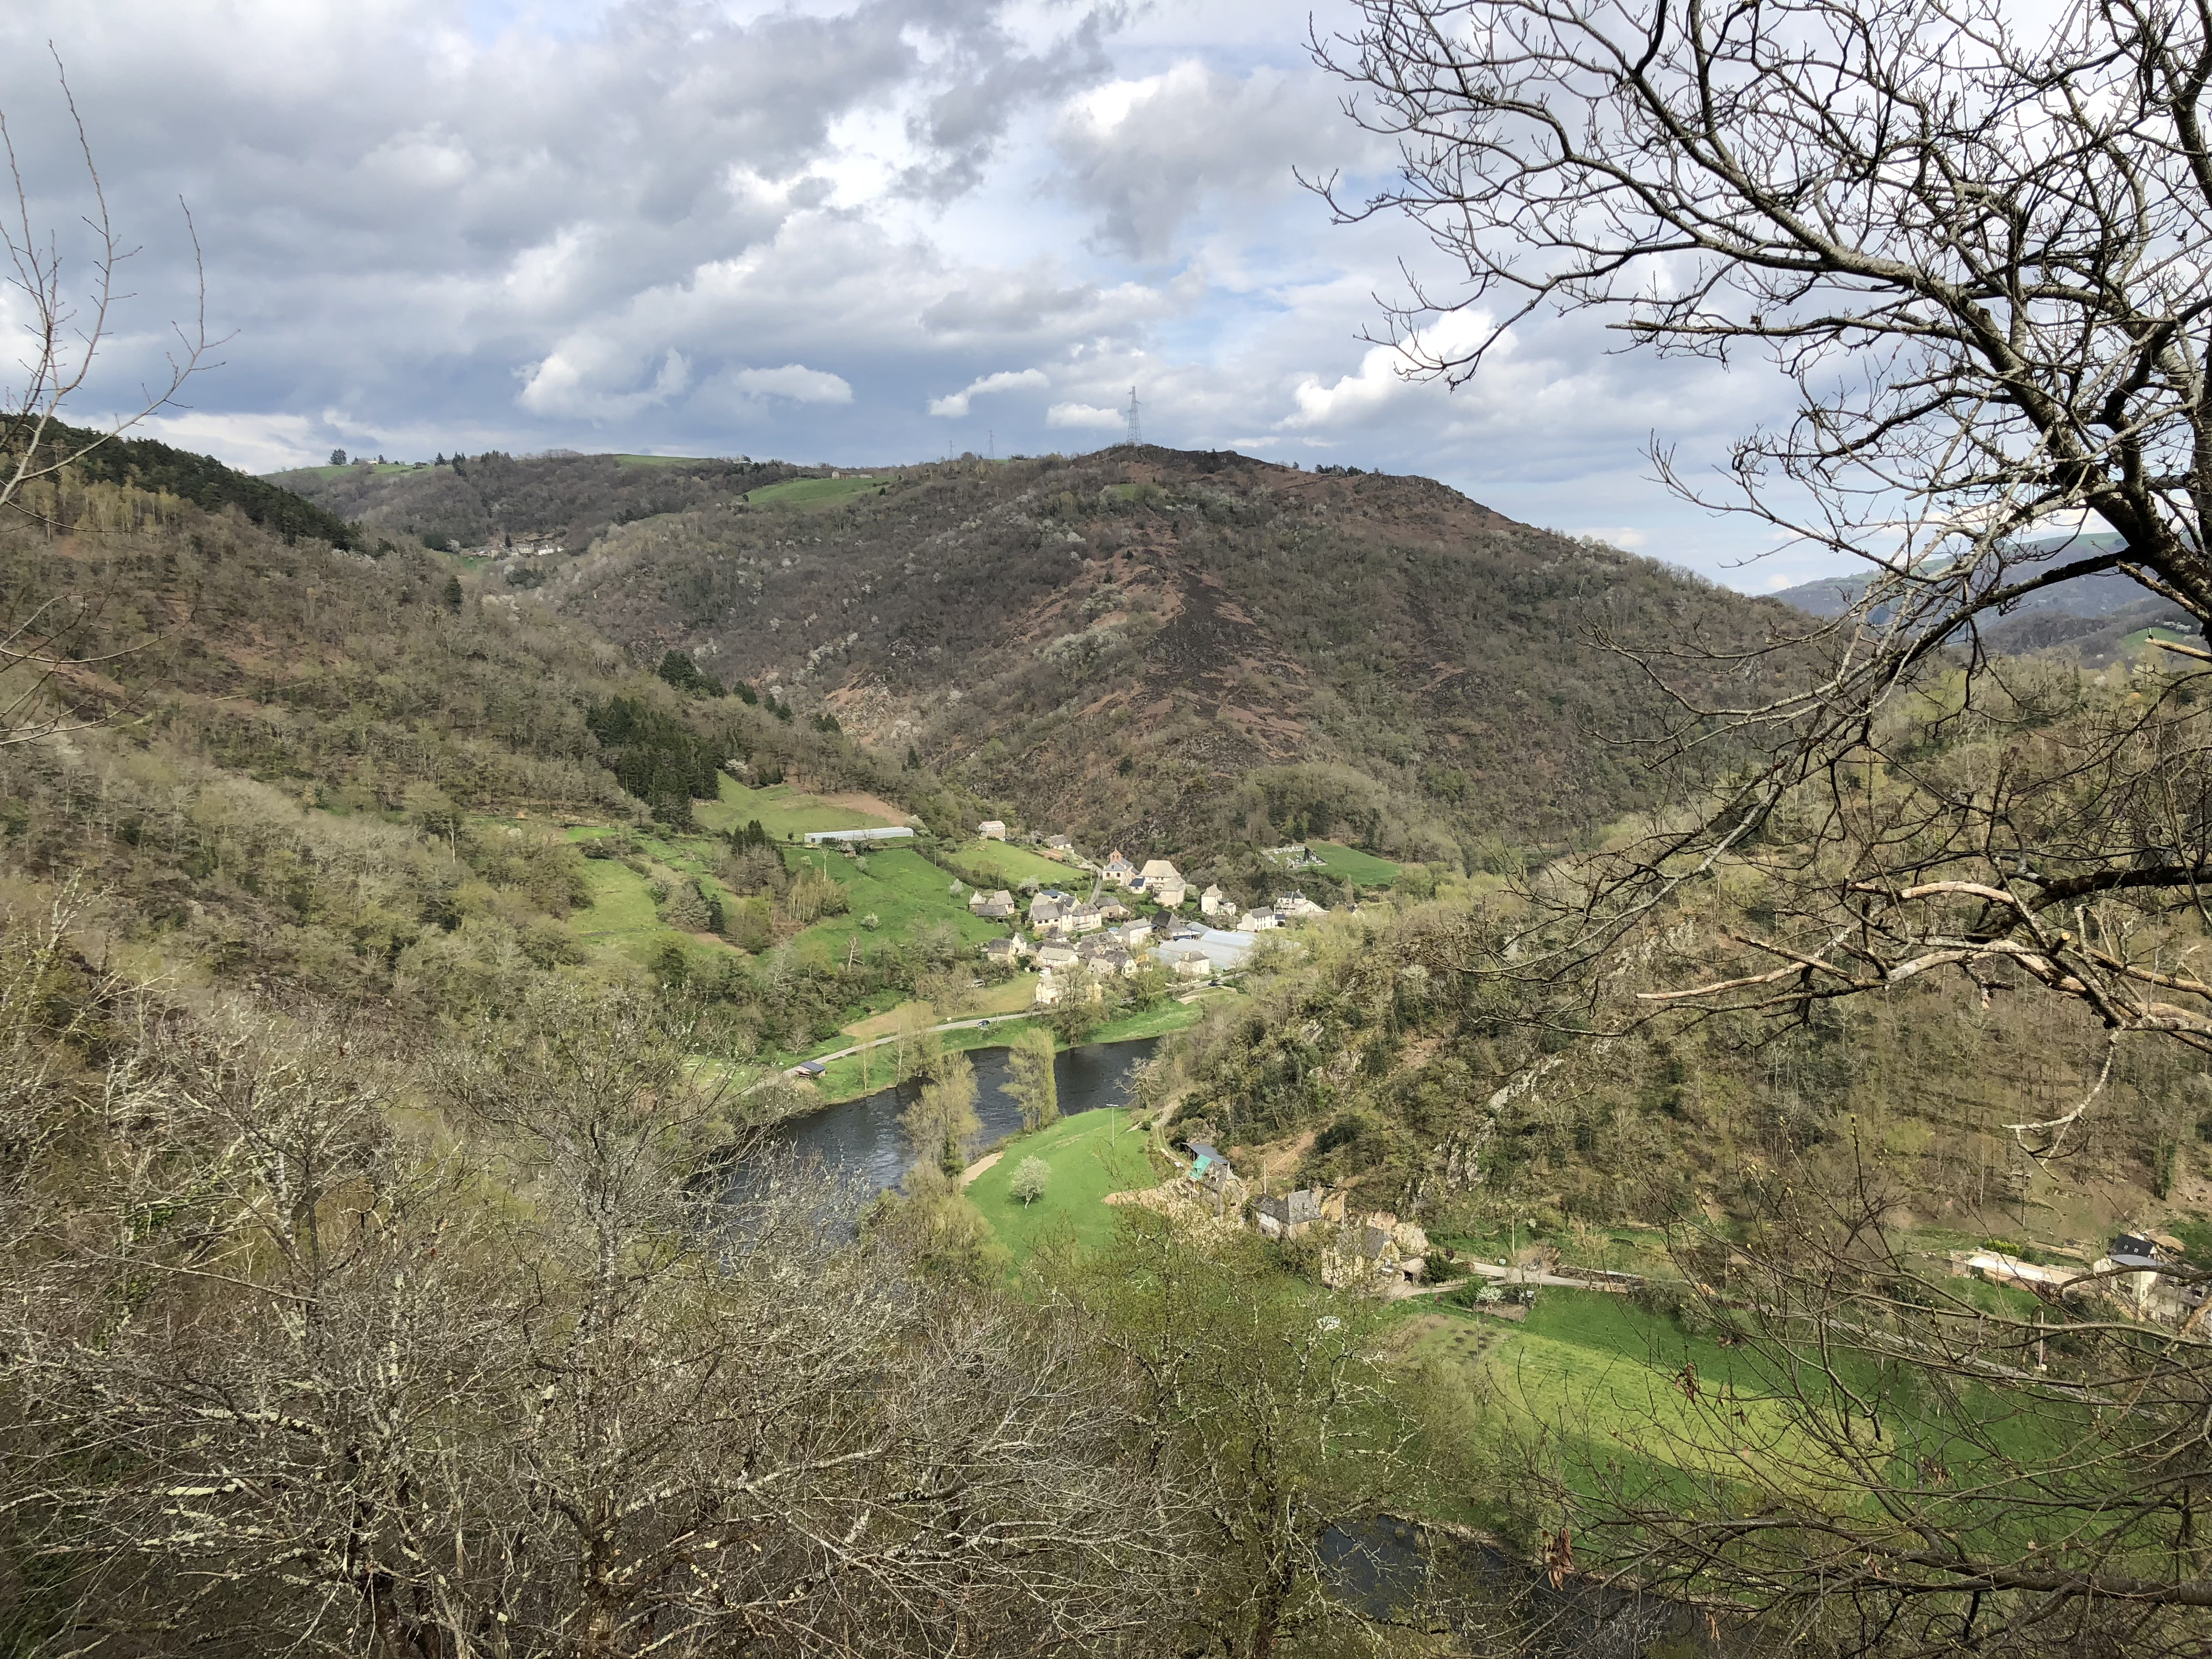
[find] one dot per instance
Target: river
(863, 1137)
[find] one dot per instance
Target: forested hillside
(1194, 652)
(496, 500)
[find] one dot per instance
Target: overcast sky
(848, 232)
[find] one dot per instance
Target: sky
(824, 232)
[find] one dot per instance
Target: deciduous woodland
(1711, 1155)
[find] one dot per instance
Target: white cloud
(602, 224)
(1084, 415)
(796, 381)
(259, 443)
(1385, 374)
(954, 405)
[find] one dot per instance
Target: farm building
(848, 837)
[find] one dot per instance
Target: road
(976, 1023)
(949, 1026)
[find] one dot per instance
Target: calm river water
(863, 1136)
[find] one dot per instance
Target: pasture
(810, 492)
(783, 811)
(1350, 864)
(1090, 1155)
(901, 889)
(1013, 865)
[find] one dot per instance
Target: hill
(1199, 654)
(2091, 618)
(496, 500)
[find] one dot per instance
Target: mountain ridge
(1176, 649)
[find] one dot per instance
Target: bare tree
(544, 1379)
(1971, 247)
(1973, 251)
(45, 672)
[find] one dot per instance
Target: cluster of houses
(1104, 934)
(2143, 1273)
(1368, 1251)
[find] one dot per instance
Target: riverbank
(860, 1069)
(865, 1137)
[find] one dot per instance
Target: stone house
(1163, 883)
(992, 829)
(1119, 872)
(1376, 1252)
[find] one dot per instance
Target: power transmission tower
(1136, 427)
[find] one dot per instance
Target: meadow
(1090, 1155)
(783, 812)
(899, 888)
(1351, 865)
(808, 492)
(1013, 865)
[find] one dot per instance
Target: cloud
(1387, 375)
(954, 405)
(637, 224)
(1145, 155)
(796, 381)
(1084, 415)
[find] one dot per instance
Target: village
(1131, 918)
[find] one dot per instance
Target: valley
(1232, 791)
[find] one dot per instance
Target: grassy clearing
(900, 888)
(2140, 641)
(782, 811)
(1169, 1016)
(662, 460)
(1350, 864)
(808, 492)
(1012, 996)
(1602, 1381)
(1090, 1155)
(620, 902)
(1013, 866)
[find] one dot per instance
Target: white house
(991, 829)
(1214, 903)
(1119, 872)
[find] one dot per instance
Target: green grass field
(1090, 1155)
(2140, 641)
(1350, 864)
(782, 811)
(1169, 1016)
(900, 888)
(808, 492)
(1013, 866)
(659, 460)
